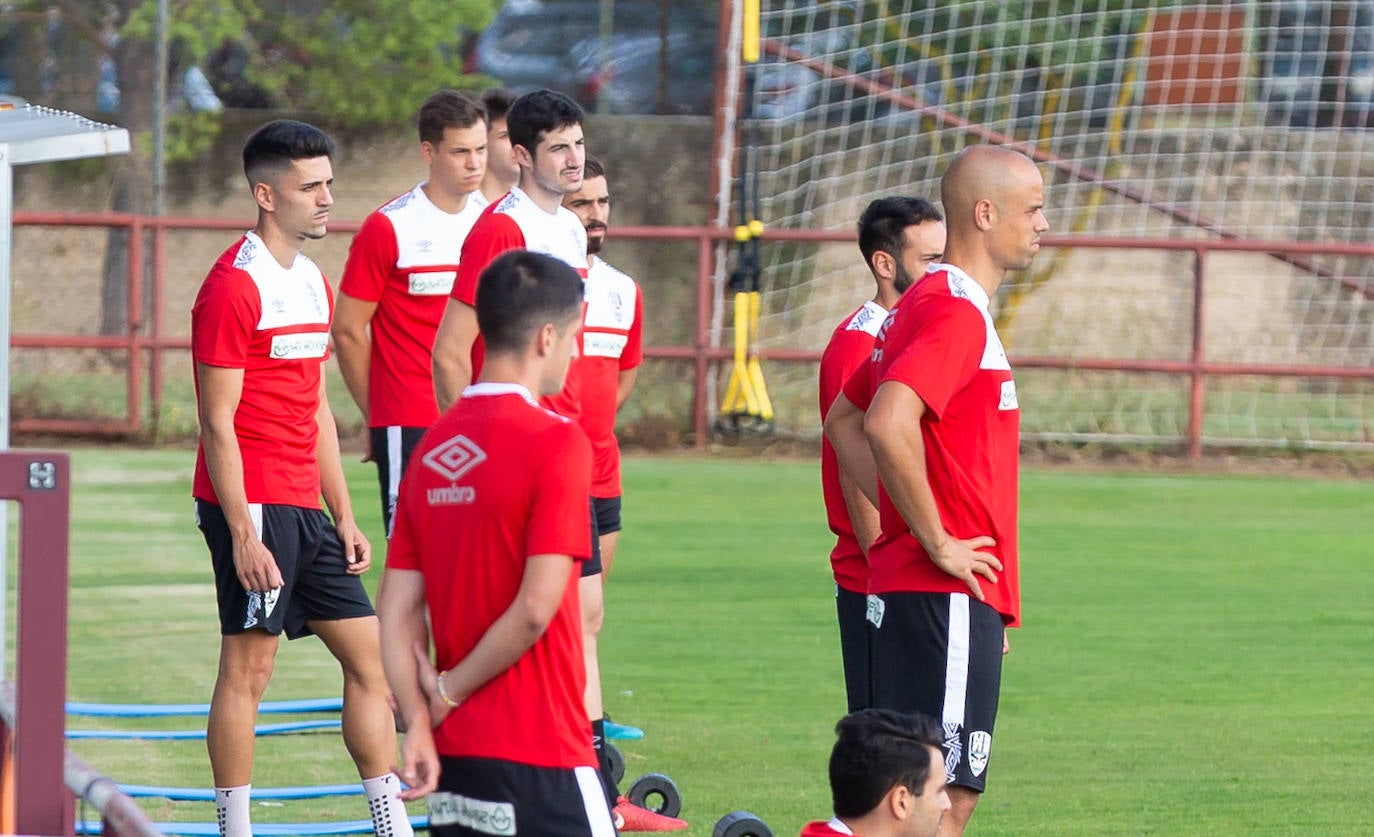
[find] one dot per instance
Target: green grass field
(1195, 658)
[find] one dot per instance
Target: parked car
(545, 43)
(1293, 61)
(627, 81)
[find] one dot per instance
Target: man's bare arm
(513, 633)
(357, 550)
(401, 612)
(844, 427)
(353, 345)
(893, 427)
(453, 352)
(863, 515)
(624, 385)
(220, 391)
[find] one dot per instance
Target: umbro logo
(454, 458)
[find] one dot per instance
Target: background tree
(352, 62)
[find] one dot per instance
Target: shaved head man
(993, 197)
(930, 431)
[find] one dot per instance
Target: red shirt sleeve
(634, 344)
(858, 387)
(942, 355)
(492, 235)
(560, 523)
(372, 257)
(849, 351)
(225, 316)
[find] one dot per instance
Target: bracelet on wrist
(443, 693)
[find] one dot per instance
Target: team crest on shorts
(876, 608)
(265, 602)
(979, 745)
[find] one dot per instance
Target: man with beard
(546, 140)
(611, 351)
(899, 237)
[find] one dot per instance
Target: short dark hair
(592, 167)
(883, 224)
(275, 146)
(449, 109)
(521, 291)
(497, 101)
(876, 750)
(535, 114)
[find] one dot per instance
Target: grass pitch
(1195, 658)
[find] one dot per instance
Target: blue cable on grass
(158, 710)
(271, 829)
(184, 734)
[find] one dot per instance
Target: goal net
(1201, 122)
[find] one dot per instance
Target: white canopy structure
(32, 134)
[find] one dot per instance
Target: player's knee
(593, 604)
(364, 672)
(961, 803)
(592, 619)
(247, 673)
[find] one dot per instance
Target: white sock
(389, 818)
(232, 808)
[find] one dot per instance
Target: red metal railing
(153, 341)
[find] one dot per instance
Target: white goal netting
(1156, 120)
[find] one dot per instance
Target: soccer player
(268, 449)
(898, 237)
(887, 777)
(612, 350)
(502, 171)
(546, 141)
(491, 525)
(398, 276)
(942, 426)
(546, 135)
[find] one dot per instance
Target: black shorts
(391, 450)
(316, 583)
(940, 654)
(592, 566)
(482, 797)
(852, 609)
(607, 511)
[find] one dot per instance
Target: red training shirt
(405, 259)
(850, 346)
(612, 342)
(821, 828)
(496, 480)
(515, 222)
(940, 342)
(273, 323)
